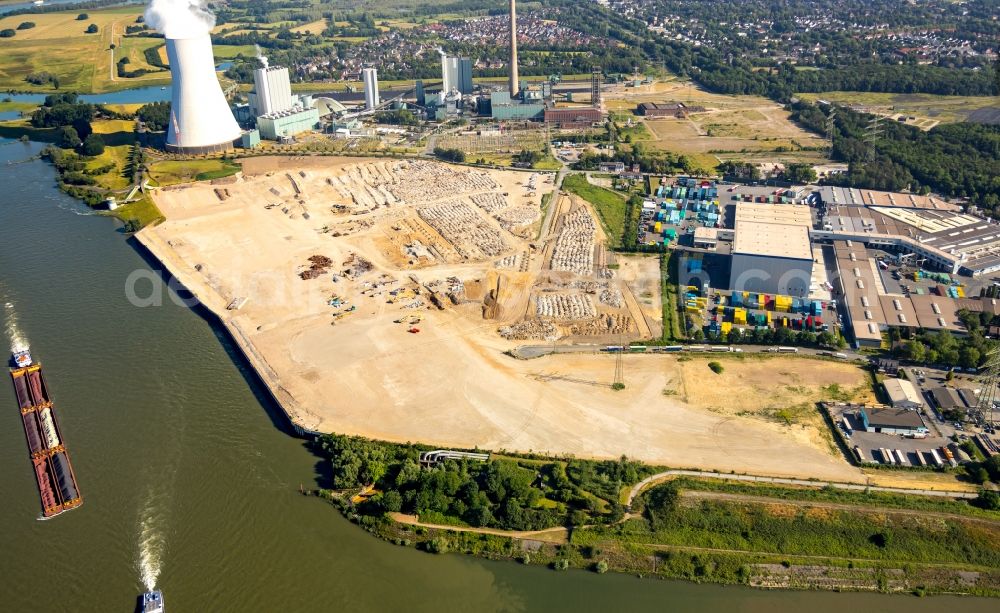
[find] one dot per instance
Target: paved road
(527, 352)
(927, 409)
(857, 487)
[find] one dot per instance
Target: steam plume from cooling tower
(178, 19)
(260, 56)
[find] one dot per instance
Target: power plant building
(370, 78)
(503, 107)
(456, 75)
(286, 124)
(272, 90)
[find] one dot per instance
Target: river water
(190, 479)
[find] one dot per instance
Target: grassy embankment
(698, 529)
(172, 172)
(610, 206)
(780, 542)
(670, 299)
(110, 170)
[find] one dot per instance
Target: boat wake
(150, 548)
(17, 340)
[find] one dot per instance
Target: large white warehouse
(771, 251)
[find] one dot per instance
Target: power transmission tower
(872, 134)
(988, 388)
(619, 367)
(831, 127)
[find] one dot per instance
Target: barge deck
(57, 487)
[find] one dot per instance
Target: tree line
(502, 493)
(958, 160)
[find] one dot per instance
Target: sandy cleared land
(356, 371)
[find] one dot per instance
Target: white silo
(200, 118)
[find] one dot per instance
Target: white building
(456, 75)
(902, 394)
(370, 77)
(272, 89)
(449, 74)
(772, 253)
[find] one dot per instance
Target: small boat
(163, 88)
(152, 602)
(22, 358)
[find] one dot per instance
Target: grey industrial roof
(893, 418)
(947, 398)
(867, 197)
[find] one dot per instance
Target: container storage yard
(57, 487)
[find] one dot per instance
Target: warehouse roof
(772, 239)
(773, 230)
(867, 197)
(702, 233)
(936, 312)
(787, 214)
(893, 418)
(947, 398)
(901, 390)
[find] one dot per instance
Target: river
(191, 480)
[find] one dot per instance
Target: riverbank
(705, 529)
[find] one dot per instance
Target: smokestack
(200, 118)
(515, 85)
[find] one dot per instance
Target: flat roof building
(668, 109)
(891, 421)
(288, 123)
(706, 238)
(902, 394)
(947, 399)
(772, 253)
(573, 118)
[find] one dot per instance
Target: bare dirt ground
(730, 127)
(394, 245)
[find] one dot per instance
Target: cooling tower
(200, 118)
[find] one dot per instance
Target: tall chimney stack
(515, 85)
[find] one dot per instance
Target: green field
(610, 206)
(81, 62)
(142, 210)
(84, 62)
(172, 172)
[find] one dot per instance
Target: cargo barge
(57, 487)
